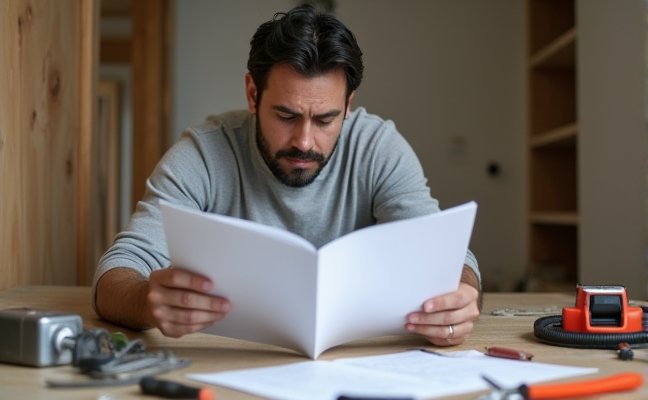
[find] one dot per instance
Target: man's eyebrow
(329, 114)
(287, 110)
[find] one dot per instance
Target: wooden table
(211, 353)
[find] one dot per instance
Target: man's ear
(348, 108)
(250, 93)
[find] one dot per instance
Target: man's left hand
(447, 320)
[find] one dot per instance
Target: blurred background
(534, 109)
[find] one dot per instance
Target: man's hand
(447, 320)
(174, 300)
(179, 302)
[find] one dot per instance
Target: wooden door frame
(150, 53)
(89, 78)
(147, 51)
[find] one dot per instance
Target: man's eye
(286, 117)
(325, 121)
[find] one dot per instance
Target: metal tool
(111, 359)
(38, 338)
(613, 383)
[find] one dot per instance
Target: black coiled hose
(549, 330)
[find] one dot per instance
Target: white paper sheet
(285, 292)
(413, 374)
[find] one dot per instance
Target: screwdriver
(613, 383)
(173, 390)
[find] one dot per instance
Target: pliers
(613, 383)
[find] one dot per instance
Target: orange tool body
(620, 382)
(602, 309)
(613, 383)
(601, 319)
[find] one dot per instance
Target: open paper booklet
(286, 292)
(408, 374)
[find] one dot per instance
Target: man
(299, 159)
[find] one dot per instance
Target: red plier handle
(613, 383)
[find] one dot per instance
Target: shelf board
(561, 52)
(561, 136)
(555, 218)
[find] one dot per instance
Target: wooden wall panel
(86, 176)
(41, 125)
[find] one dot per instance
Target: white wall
(212, 41)
(450, 73)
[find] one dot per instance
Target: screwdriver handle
(173, 390)
(613, 383)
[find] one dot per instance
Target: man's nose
(302, 137)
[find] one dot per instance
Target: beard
(297, 177)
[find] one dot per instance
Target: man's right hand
(179, 302)
(172, 299)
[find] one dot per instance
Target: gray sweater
(373, 176)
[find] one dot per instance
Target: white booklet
(403, 375)
(286, 292)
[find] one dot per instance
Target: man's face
(298, 121)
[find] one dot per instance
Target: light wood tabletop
(499, 325)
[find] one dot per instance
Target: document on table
(288, 293)
(414, 374)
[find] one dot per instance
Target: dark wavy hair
(310, 41)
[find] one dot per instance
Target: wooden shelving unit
(552, 145)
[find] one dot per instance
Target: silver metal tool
(37, 338)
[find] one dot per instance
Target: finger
(176, 322)
(442, 335)
(442, 331)
(177, 330)
(182, 316)
(187, 299)
(432, 331)
(447, 342)
(180, 278)
(445, 318)
(460, 298)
